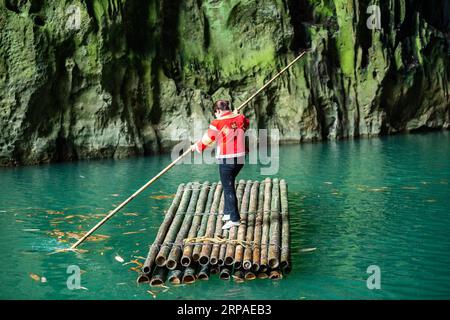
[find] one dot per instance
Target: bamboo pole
(165, 225)
(203, 274)
(143, 278)
(174, 227)
(218, 233)
(265, 227)
(199, 213)
(176, 251)
(275, 274)
(204, 222)
(239, 276)
(274, 239)
(207, 246)
(249, 275)
(285, 237)
(270, 81)
(248, 252)
(123, 204)
(230, 249)
(159, 276)
(242, 230)
(189, 275)
(258, 229)
(175, 276)
(214, 269)
(225, 272)
(223, 247)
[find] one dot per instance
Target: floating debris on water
(54, 212)
(308, 250)
(133, 214)
(132, 232)
(64, 236)
(119, 258)
(382, 189)
(160, 197)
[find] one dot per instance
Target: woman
(227, 130)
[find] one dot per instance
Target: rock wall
(114, 78)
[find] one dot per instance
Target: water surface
(353, 204)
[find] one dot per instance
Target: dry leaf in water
(119, 258)
(160, 197)
(35, 277)
(133, 214)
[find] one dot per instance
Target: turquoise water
(353, 204)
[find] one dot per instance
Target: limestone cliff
(112, 78)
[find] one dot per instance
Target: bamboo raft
(190, 244)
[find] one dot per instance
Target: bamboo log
(274, 239)
(204, 222)
(174, 227)
(223, 249)
(285, 237)
(143, 278)
(175, 276)
(225, 272)
(266, 226)
(159, 276)
(203, 274)
(218, 233)
(207, 245)
(275, 274)
(258, 229)
(176, 251)
(230, 249)
(242, 230)
(189, 275)
(249, 275)
(263, 275)
(199, 213)
(214, 269)
(225, 235)
(239, 275)
(248, 252)
(270, 81)
(154, 248)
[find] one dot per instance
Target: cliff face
(112, 78)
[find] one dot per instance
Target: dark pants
(229, 169)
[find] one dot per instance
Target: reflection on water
(352, 203)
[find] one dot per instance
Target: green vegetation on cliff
(112, 78)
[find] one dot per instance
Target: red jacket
(228, 131)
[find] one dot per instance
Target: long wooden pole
(123, 204)
(270, 81)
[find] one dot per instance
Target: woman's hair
(222, 105)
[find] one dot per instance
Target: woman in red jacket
(227, 130)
